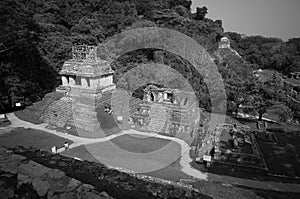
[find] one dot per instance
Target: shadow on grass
(31, 137)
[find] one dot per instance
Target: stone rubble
(23, 178)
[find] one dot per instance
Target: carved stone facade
(87, 80)
(84, 79)
(167, 111)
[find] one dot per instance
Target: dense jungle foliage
(36, 37)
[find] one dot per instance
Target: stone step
(59, 112)
(158, 117)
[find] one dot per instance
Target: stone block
(72, 81)
(84, 82)
(55, 174)
(104, 194)
(41, 187)
(33, 169)
(73, 184)
(56, 187)
(23, 179)
(65, 81)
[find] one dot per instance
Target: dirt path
(184, 161)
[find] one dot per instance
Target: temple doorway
(170, 97)
(152, 97)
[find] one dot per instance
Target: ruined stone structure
(85, 78)
(168, 111)
(86, 72)
(87, 85)
(21, 177)
(224, 43)
(225, 50)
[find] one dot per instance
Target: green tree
(25, 75)
(265, 96)
(283, 112)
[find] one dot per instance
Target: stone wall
(24, 178)
(115, 183)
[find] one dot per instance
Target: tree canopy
(36, 37)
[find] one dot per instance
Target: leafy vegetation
(36, 38)
(268, 53)
(31, 138)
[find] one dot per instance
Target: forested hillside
(36, 38)
(268, 53)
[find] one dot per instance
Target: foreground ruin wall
(32, 168)
(23, 178)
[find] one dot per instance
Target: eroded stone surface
(73, 184)
(23, 179)
(56, 174)
(33, 169)
(91, 195)
(19, 176)
(41, 187)
(118, 184)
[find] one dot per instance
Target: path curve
(185, 159)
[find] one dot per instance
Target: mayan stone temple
(89, 102)
(167, 111)
(85, 78)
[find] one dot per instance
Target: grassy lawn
(28, 116)
(283, 158)
(280, 160)
(31, 137)
(140, 144)
(171, 172)
(129, 148)
(137, 151)
(295, 142)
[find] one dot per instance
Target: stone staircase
(158, 117)
(58, 113)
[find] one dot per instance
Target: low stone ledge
(24, 178)
(115, 183)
